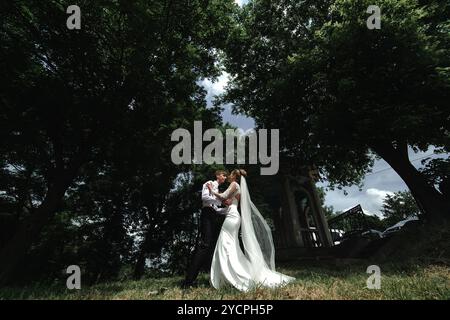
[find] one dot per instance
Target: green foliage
(437, 172)
(342, 94)
(316, 72)
(399, 206)
(376, 223)
(327, 210)
(97, 106)
(86, 115)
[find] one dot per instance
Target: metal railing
(348, 224)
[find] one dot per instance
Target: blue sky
(377, 184)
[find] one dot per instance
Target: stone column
(322, 224)
(290, 217)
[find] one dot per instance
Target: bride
(255, 266)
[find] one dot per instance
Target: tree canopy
(86, 115)
(341, 93)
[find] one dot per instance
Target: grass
(414, 265)
(314, 280)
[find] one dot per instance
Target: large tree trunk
(139, 267)
(150, 247)
(430, 201)
(16, 248)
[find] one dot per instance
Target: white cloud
(375, 198)
(377, 195)
(218, 87)
(215, 88)
(370, 213)
(370, 199)
(240, 2)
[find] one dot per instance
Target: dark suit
(210, 224)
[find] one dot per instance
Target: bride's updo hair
(238, 173)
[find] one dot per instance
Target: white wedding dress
(255, 265)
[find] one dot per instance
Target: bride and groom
(246, 268)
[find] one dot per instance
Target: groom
(209, 228)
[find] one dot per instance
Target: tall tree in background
(106, 96)
(327, 210)
(339, 92)
(399, 206)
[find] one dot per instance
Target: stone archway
(301, 222)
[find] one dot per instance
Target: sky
(218, 87)
(240, 2)
(382, 180)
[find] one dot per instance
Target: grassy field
(315, 280)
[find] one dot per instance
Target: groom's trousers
(209, 231)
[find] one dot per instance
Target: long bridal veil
(256, 234)
(258, 244)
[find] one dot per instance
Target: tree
(399, 206)
(374, 222)
(327, 210)
(108, 94)
(341, 93)
(437, 171)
